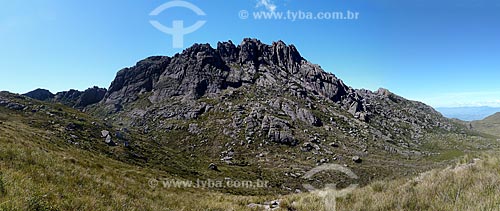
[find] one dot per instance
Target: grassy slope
(37, 176)
(489, 125)
(41, 170)
(469, 185)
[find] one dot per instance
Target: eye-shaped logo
(177, 31)
(330, 193)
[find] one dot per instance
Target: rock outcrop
(73, 98)
(254, 92)
(90, 96)
(79, 99)
(202, 70)
(40, 94)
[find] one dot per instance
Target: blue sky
(443, 53)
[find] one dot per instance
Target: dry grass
(470, 185)
(39, 170)
(37, 175)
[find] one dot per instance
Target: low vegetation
(38, 175)
(472, 184)
(53, 158)
(490, 125)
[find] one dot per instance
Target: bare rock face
(278, 130)
(201, 70)
(130, 82)
(308, 117)
(90, 96)
(67, 97)
(79, 99)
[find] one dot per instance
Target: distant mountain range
(468, 113)
(72, 98)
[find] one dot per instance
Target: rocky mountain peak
(278, 53)
(201, 70)
(250, 51)
(286, 52)
(228, 51)
(40, 94)
(255, 92)
(196, 49)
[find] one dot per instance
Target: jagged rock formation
(73, 98)
(201, 70)
(268, 93)
(80, 99)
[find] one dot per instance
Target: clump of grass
(39, 203)
(3, 189)
(378, 186)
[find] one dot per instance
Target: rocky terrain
(270, 93)
(251, 111)
(72, 98)
(260, 106)
(266, 107)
